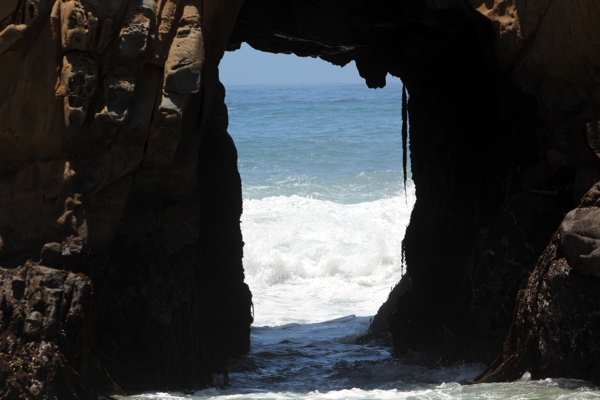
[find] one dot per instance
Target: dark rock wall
(187, 306)
(553, 332)
(48, 336)
(458, 179)
(225, 295)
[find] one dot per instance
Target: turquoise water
(324, 216)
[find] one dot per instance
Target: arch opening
(453, 99)
(323, 202)
(474, 141)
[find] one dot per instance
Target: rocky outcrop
(115, 164)
(553, 330)
(48, 339)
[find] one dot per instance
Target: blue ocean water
(324, 216)
(338, 142)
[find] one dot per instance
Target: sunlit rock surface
(115, 164)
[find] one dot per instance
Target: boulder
(47, 340)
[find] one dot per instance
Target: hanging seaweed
(404, 134)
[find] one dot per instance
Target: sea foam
(309, 260)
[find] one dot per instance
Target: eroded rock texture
(555, 324)
(115, 164)
(48, 339)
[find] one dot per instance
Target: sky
(248, 66)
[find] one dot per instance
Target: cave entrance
(320, 156)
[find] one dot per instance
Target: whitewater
(324, 215)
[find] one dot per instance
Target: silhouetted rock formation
(115, 164)
(553, 330)
(503, 138)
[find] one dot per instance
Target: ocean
(325, 212)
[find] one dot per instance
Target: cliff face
(115, 164)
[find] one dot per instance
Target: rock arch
(115, 164)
